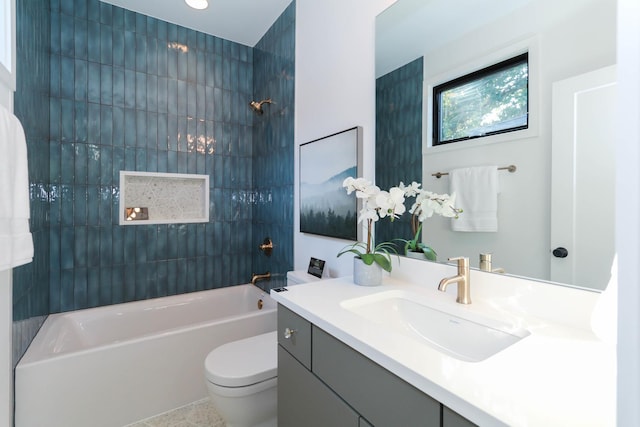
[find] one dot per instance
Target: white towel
(476, 192)
(16, 244)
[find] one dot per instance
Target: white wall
(7, 87)
(569, 38)
(335, 90)
(628, 213)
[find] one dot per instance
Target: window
(487, 102)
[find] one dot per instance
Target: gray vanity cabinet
(380, 396)
(304, 401)
(453, 419)
(324, 382)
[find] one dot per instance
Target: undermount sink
(469, 340)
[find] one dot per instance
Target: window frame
(521, 58)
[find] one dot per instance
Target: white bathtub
(114, 365)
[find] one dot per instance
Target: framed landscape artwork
(325, 207)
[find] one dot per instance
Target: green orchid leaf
(383, 261)
(429, 253)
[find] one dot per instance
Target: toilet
(242, 375)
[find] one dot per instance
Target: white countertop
(559, 375)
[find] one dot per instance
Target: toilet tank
(298, 277)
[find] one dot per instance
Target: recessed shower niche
(163, 198)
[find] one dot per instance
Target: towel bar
(510, 168)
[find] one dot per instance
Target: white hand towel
(16, 244)
(476, 192)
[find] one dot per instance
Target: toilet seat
(243, 363)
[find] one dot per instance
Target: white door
(583, 179)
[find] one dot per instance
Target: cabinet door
(303, 400)
(453, 419)
(377, 394)
(294, 335)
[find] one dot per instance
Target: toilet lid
(243, 362)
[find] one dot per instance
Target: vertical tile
(106, 85)
(105, 286)
(93, 82)
(152, 93)
(80, 247)
(117, 284)
(118, 52)
(152, 55)
(118, 87)
(104, 219)
(118, 126)
(162, 56)
(80, 122)
(181, 96)
(129, 48)
(141, 91)
(192, 66)
(66, 35)
(117, 18)
(106, 13)
(106, 125)
(141, 52)
(129, 127)
(79, 287)
(80, 80)
(141, 24)
(117, 244)
(93, 11)
(93, 43)
(172, 63)
(93, 243)
(80, 40)
(172, 96)
(129, 89)
(67, 71)
(129, 20)
(152, 131)
(141, 128)
(93, 166)
(106, 44)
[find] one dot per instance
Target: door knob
(288, 333)
(560, 252)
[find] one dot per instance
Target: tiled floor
(198, 414)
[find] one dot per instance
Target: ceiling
(241, 21)
(410, 28)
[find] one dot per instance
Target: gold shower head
(257, 105)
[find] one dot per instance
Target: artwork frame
(325, 207)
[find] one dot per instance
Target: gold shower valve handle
(266, 246)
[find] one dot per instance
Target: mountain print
(326, 209)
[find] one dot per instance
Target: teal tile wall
(130, 92)
(120, 90)
(399, 138)
(31, 106)
(273, 77)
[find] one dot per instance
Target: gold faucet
(462, 279)
(485, 264)
(256, 277)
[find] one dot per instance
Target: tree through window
(486, 102)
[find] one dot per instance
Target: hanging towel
(476, 190)
(16, 244)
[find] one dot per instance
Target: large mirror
(420, 43)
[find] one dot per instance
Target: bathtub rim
(34, 354)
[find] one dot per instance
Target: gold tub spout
(257, 277)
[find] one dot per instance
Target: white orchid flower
(410, 191)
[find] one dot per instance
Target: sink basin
(470, 339)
